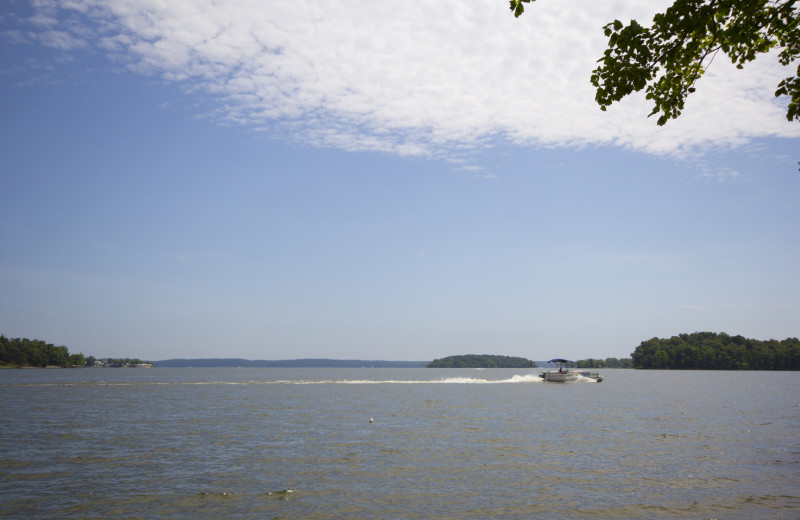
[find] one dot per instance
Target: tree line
(24, 352)
(289, 363)
(481, 361)
(122, 362)
(604, 363)
(712, 351)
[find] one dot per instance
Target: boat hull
(556, 376)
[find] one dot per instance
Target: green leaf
(667, 58)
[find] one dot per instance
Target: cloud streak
(411, 78)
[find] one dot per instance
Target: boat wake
(528, 378)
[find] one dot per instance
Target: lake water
(287, 443)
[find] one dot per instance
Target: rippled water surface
(444, 444)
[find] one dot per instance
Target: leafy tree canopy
(34, 353)
(712, 351)
(667, 58)
(24, 352)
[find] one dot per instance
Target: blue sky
(248, 180)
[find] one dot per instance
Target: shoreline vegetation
(287, 363)
(35, 353)
(611, 362)
(712, 351)
(696, 351)
(492, 361)
(481, 361)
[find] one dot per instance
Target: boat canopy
(559, 360)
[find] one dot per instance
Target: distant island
(712, 351)
(481, 361)
(287, 363)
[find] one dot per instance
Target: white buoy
(371, 420)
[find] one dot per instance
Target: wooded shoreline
(696, 351)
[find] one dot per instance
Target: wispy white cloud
(60, 40)
(412, 78)
(718, 174)
(14, 37)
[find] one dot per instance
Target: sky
(377, 180)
